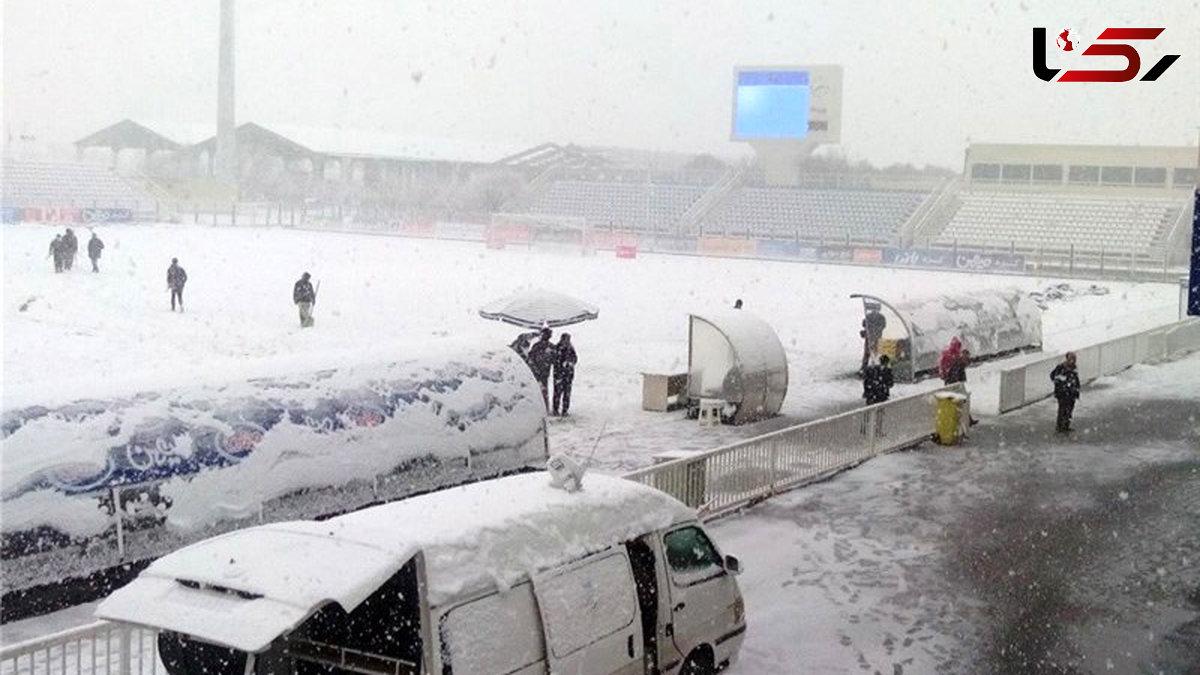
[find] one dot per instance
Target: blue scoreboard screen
(771, 104)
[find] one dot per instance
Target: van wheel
(699, 662)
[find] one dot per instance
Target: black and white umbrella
(539, 308)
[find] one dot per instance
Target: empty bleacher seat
(787, 213)
(62, 184)
(1028, 221)
(638, 206)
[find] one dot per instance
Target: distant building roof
(128, 134)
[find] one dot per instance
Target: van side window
(691, 556)
(498, 633)
(587, 603)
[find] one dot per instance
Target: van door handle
(679, 607)
(629, 644)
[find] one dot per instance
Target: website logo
(1106, 45)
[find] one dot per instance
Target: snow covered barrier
(295, 446)
(736, 357)
(990, 323)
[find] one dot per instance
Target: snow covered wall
(191, 458)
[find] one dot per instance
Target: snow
(284, 572)
(866, 572)
(384, 298)
(325, 428)
(488, 534)
(494, 533)
(988, 322)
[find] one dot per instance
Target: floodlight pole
(226, 161)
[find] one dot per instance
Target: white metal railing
(99, 648)
(1029, 382)
(730, 477)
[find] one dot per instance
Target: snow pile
(220, 451)
(1064, 292)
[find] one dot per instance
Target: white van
(503, 576)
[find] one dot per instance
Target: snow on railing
(100, 648)
(1029, 382)
(719, 481)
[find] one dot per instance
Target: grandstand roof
(553, 154)
(253, 134)
(128, 134)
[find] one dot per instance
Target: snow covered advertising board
(185, 463)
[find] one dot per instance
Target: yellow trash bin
(948, 409)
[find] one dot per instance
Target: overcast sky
(922, 79)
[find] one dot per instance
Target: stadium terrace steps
(816, 213)
(62, 184)
(1029, 221)
(641, 206)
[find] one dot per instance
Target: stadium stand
(1026, 221)
(650, 207)
(790, 213)
(61, 184)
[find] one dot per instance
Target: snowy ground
(79, 334)
(1020, 552)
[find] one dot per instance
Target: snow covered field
(84, 335)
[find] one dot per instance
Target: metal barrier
(730, 477)
(100, 648)
(1030, 382)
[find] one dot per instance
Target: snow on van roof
(496, 532)
(484, 535)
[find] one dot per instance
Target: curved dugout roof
(989, 323)
(735, 356)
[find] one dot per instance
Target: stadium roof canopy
(128, 134)
(554, 155)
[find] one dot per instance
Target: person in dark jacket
(176, 278)
(541, 361)
(737, 304)
(56, 252)
(564, 375)
(70, 246)
(95, 246)
(872, 332)
(878, 381)
(1065, 377)
(304, 297)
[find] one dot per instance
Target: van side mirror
(733, 565)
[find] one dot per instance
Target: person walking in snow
(541, 361)
(70, 246)
(95, 246)
(1065, 377)
(56, 252)
(176, 278)
(304, 296)
(737, 304)
(564, 375)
